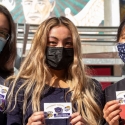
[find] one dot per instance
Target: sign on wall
(81, 12)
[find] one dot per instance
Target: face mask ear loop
(115, 50)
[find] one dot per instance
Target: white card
(58, 110)
(3, 93)
(120, 95)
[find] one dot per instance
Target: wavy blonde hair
(35, 73)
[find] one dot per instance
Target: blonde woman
(53, 72)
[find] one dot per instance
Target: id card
(58, 110)
(120, 95)
(3, 93)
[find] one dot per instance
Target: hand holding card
(120, 95)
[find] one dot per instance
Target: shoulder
(20, 82)
(110, 91)
(118, 86)
(93, 84)
(15, 95)
(98, 93)
(97, 84)
(14, 87)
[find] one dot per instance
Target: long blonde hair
(35, 72)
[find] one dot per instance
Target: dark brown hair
(120, 29)
(8, 53)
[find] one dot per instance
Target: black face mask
(59, 58)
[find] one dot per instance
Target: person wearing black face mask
(113, 110)
(53, 72)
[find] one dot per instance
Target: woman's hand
(112, 112)
(36, 118)
(76, 119)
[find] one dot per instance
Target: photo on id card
(3, 93)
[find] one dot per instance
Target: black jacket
(110, 93)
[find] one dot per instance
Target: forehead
(4, 24)
(58, 29)
(123, 30)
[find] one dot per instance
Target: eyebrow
(122, 34)
(69, 37)
(4, 29)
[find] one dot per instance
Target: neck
(58, 74)
(58, 79)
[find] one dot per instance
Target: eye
(4, 34)
(70, 44)
(122, 36)
(52, 43)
